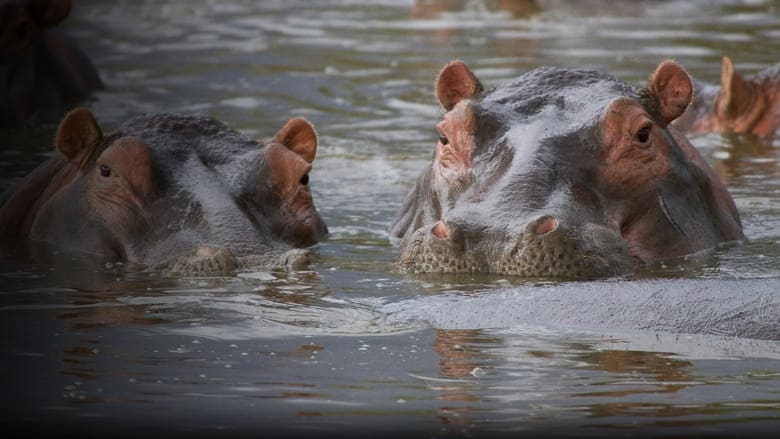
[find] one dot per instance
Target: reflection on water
(351, 345)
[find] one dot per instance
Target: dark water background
(351, 346)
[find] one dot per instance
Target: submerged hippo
(740, 105)
(40, 68)
(563, 173)
(183, 192)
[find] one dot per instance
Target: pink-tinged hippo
(739, 104)
(561, 173)
(184, 193)
(41, 69)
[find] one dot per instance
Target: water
(350, 346)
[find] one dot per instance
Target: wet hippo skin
(561, 173)
(749, 104)
(184, 193)
(748, 308)
(41, 69)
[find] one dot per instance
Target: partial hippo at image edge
(739, 104)
(42, 70)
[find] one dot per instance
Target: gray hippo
(41, 69)
(749, 104)
(184, 193)
(561, 173)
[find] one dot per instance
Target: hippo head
(23, 21)
(171, 190)
(562, 173)
(741, 104)
(41, 69)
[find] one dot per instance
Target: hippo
(41, 69)
(561, 173)
(178, 192)
(739, 104)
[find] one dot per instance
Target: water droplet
(721, 155)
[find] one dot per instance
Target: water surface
(350, 345)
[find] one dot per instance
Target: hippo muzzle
(543, 247)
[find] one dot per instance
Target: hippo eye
(105, 171)
(443, 139)
(643, 135)
(305, 179)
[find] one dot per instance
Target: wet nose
(539, 227)
(544, 225)
(440, 230)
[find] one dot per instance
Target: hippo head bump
(174, 191)
(561, 173)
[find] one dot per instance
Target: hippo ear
(455, 83)
(299, 136)
(48, 13)
(670, 88)
(735, 92)
(77, 132)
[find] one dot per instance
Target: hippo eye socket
(643, 135)
(105, 171)
(305, 179)
(443, 139)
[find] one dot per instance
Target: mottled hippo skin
(561, 173)
(738, 104)
(41, 69)
(182, 192)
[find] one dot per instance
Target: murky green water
(350, 346)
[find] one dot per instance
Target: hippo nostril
(546, 225)
(440, 230)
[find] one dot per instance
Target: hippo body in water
(41, 69)
(181, 192)
(561, 173)
(749, 104)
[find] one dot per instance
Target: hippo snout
(549, 247)
(545, 246)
